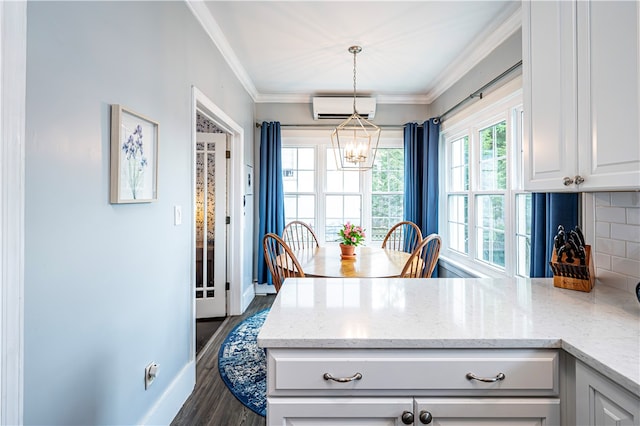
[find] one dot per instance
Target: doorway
(210, 218)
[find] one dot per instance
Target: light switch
(177, 215)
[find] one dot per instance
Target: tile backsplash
(616, 222)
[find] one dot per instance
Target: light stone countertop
(601, 328)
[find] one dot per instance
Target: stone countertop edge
(600, 328)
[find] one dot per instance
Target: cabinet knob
(407, 418)
(425, 417)
(578, 180)
(566, 181)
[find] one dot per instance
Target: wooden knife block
(573, 276)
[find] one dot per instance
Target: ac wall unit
(342, 107)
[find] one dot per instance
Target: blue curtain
(271, 202)
(548, 210)
(421, 175)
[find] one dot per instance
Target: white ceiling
(412, 51)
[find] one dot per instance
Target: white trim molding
(13, 54)
(238, 300)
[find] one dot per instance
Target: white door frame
(13, 54)
(235, 258)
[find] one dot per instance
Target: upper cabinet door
(609, 94)
(549, 80)
(582, 96)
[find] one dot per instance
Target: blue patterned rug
(243, 365)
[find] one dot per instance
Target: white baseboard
(247, 297)
(170, 402)
(264, 289)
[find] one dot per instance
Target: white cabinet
(599, 401)
(405, 386)
(581, 95)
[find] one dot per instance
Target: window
(485, 219)
(318, 193)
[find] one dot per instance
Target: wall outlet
(150, 374)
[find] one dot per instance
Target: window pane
(490, 231)
(386, 211)
(459, 171)
(300, 207)
(388, 170)
(341, 209)
(493, 160)
(338, 180)
(458, 228)
(298, 175)
(523, 234)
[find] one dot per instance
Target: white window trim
(499, 103)
(321, 138)
(13, 27)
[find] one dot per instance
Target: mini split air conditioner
(342, 107)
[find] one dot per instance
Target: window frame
(320, 138)
(504, 103)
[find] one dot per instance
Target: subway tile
(609, 246)
(633, 251)
(603, 229)
(602, 199)
(603, 261)
(625, 266)
(625, 199)
(611, 214)
(633, 215)
(611, 279)
(625, 232)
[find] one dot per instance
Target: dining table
(368, 262)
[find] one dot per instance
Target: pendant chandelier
(355, 141)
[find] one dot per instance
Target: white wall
(107, 287)
(507, 54)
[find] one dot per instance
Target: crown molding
(510, 22)
(211, 27)
(306, 99)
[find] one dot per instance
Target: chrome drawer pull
(356, 376)
(500, 376)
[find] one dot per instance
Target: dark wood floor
(211, 403)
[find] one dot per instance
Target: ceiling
(412, 51)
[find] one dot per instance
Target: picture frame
(134, 157)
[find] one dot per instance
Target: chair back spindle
(299, 236)
(403, 236)
(280, 260)
(424, 258)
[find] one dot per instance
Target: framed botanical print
(134, 157)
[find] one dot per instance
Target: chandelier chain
(355, 52)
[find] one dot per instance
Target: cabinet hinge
(227, 286)
(227, 220)
(228, 154)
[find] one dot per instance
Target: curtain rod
(478, 93)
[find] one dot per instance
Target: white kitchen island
(399, 351)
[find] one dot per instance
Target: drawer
(433, 371)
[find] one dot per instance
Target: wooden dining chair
(299, 235)
(423, 259)
(403, 236)
(281, 261)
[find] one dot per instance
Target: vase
(347, 251)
